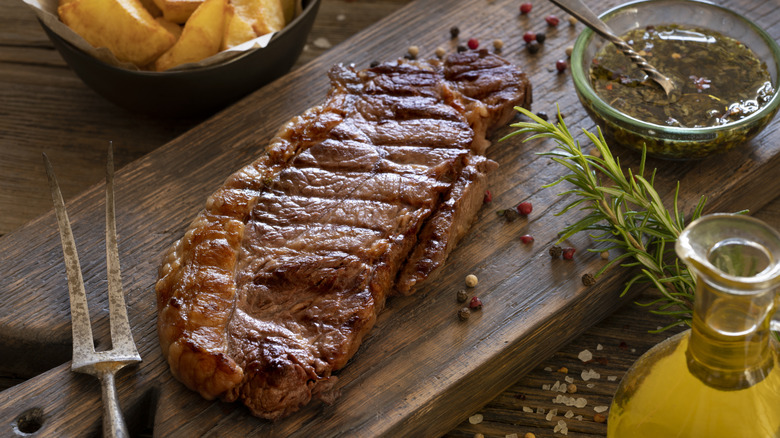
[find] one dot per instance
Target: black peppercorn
(556, 251)
(462, 296)
(540, 37)
(374, 64)
(454, 31)
(464, 313)
(542, 115)
(533, 47)
(588, 280)
(462, 48)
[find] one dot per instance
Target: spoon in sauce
(582, 12)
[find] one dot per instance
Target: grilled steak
(280, 277)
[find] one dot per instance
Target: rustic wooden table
(46, 108)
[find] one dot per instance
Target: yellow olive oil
(663, 398)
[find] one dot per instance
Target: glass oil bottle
(721, 378)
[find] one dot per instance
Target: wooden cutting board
(421, 371)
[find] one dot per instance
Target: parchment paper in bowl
(47, 13)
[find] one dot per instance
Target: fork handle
(113, 423)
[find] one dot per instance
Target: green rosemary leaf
(624, 212)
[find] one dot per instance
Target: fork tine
(121, 335)
(83, 346)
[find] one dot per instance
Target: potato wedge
(123, 26)
(265, 16)
(200, 38)
(288, 6)
(178, 11)
(172, 27)
(237, 29)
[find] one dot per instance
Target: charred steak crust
(279, 278)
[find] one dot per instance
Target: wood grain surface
(421, 372)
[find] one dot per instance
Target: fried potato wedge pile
(161, 34)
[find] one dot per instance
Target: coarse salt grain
(545, 387)
(600, 409)
(561, 427)
(591, 385)
(322, 43)
(551, 414)
(578, 418)
(569, 379)
(540, 410)
(599, 347)
(611, 378)
(511, 435)
(475, 419)
(585, 355)
(568, 414)
(579, 402)
(590, 374)
(341, 17)
(548, 369)
(527, 409)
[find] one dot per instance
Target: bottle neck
(729, 347)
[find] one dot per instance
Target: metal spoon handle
(582, 12)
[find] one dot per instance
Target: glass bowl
(669, 142)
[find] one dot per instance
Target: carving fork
(102, 364)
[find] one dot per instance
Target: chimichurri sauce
(720, 79)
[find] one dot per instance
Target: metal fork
(102, 364)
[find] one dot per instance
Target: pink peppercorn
(529, 36)
(473, 43)
(561, 65)
(568, 253)
(525, 208)
(527, 238)
(552, 20)
(526, 8)
(475, 303)
(488, 197)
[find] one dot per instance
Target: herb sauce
(720, 79)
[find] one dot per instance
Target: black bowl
(192, 92)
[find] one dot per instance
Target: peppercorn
(488, 197)
(373, 64)
(600, 418)
(471, 280)
(604, 255)
(475, 303)
(540, 37)
(568, 253)
(588, 280)
(533, 47)
(461, 48)
(542, 115)
(510, 214)
(556, 251)
(526, 8)
(527, 238)
(462, 296)
(529, 36)
(414, 51)
(498, 44)
(569, 51)
(473, 43)
(552, 20)
(529, 435)
(572, 20)
(440, 52)
(561, 65)
(571, 389)
(454, 31)
(525, 208)
(464, 313)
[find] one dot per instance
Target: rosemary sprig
(627, 215)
